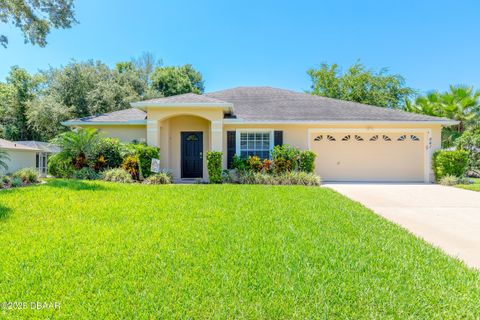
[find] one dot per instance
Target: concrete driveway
(446, 217)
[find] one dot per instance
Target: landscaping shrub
(214, 165)
(281, 165)
(6, 181)
(267, 166)
(239, 163)
(60, 167)
(86, 173)
(117, 175)
(130, 165)
(228, 176)
(307, 161)
(470, 141)
(289, 155)
(109, 153)
(16, 182)
(449, 180)
(145, 154)
(287, 178)
(159, 178)
(446, 162)
(254, 164)
(27, 175)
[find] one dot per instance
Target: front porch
(184, 139)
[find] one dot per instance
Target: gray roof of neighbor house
(267, 104)
(44, 146)
(11, 145)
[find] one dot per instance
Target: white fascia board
(336, 122)
(104, 123)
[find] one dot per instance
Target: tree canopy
(33, 105)
(360, 84)
(35, 18)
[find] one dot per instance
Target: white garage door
(361, 156)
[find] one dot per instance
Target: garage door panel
(369, 157)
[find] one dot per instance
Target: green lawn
(107, 250)
(474, 187)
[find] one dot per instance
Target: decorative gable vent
(386, 138)
(330, 138)
(374, 138)
(402, 138)
(318, 138)
(346, 138)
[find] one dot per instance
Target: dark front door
(192, 154)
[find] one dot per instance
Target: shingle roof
(6, 144)
(272, 104)
(185, 98)
(263, 104)
(44, 146)
(127, 115)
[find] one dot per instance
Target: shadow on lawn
(4, 212)
(75, 185)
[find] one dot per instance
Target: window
(41, 163)
(254, 143)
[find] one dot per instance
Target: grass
(109, 251)
(475, 186)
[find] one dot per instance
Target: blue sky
(234, 43)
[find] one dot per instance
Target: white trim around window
(238, 149)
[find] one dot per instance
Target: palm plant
(3, 159)
(461, 103)
(78, 146)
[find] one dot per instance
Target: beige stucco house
(353, 142)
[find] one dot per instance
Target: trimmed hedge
(287, 178)
(214, 165)
(450, 163)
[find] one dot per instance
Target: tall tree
(35, 18)
(360, 84)
(171, 80)
(19, 89)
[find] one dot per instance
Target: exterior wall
(19, 159)
(298, 135)
(126, 133)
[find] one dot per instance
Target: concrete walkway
(446, 217)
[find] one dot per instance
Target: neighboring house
(41, 158)
(21, 156)
(353, 141)
(27, 154)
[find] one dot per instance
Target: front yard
(105, 250)
(475, 186)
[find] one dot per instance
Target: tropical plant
(60, 167)
(254, 164)
(4, 157)
(78, 146)
(117, 175)
(449, 180)
(27, 175)
(144, 154)
(130, 165)
(159, 178)
(86, 173)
